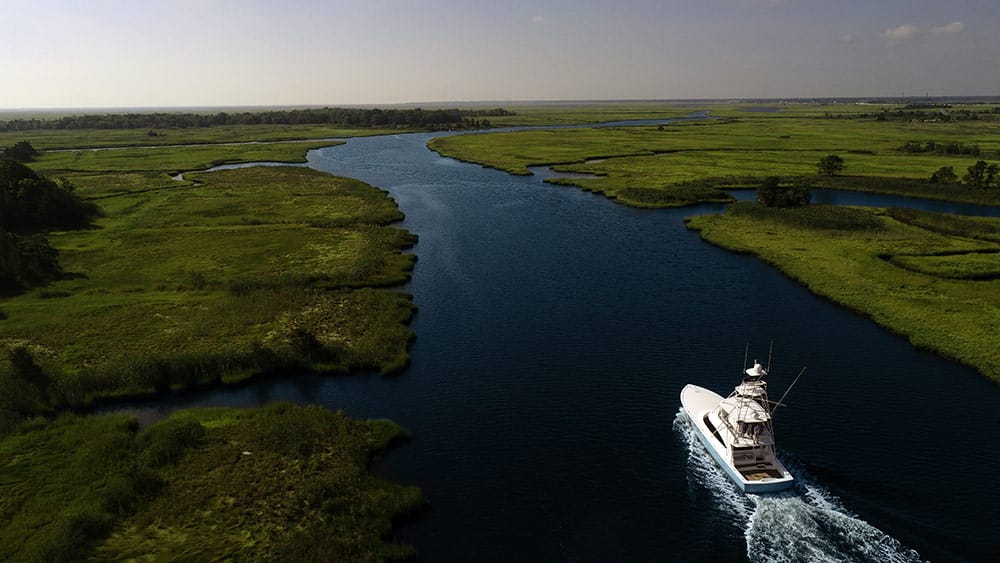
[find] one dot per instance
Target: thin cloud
(847, 38)
(537, 19)
(953, 27)
(901, 32)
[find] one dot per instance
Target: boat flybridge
(738, 433)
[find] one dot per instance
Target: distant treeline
(940, 148)
(416, 118)
(922, 112)
(927, 105)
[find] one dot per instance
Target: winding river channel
(554, 333)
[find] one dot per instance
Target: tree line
(31, 205)
(981, 175)
(934, 147)
(920, 112)
(417, 118)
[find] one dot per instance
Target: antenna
(770, 350)
(779, 403)
(746, 352)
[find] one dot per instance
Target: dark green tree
(981, 175)
(26, 261)
(30, 205)
(772, 194)
(24, 387)
(22, 151)
(944, 175)
(830, 165)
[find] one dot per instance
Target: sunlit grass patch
(741, 148)
(248, 271)
(169, 159)
(937, 289)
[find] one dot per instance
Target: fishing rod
(779, 403)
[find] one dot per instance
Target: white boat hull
(697, 402)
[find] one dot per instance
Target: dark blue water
(554, 334)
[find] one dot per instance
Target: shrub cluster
(944, 175)
(89, 472)
(22, 151)
(942, 115)
(772, 194)
(29, 206)
(934, 147)
(676, 194)
(982, 175)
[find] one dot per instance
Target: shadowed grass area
(277, 483)
(247, 271)
(982, 228)
(898, 273)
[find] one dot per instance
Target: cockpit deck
(758, 471)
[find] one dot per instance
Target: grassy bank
(277, 483)
(933, 278)
(53, 139)
(659, 166)
(242, 272)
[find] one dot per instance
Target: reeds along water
(807, 523)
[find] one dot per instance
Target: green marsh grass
(169, 159)
(740, 148)
(282, 482)
(217, 281)
(939, 290)
(983, 228)
(53, 139)
(575, 113)
(963, 266)
(204, 281)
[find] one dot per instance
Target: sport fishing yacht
(737, 431)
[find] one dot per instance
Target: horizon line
(495, 103)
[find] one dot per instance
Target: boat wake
(807, 523)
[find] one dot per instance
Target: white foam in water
(703, 471)
(805, 524)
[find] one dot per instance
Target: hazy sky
(120, 53)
